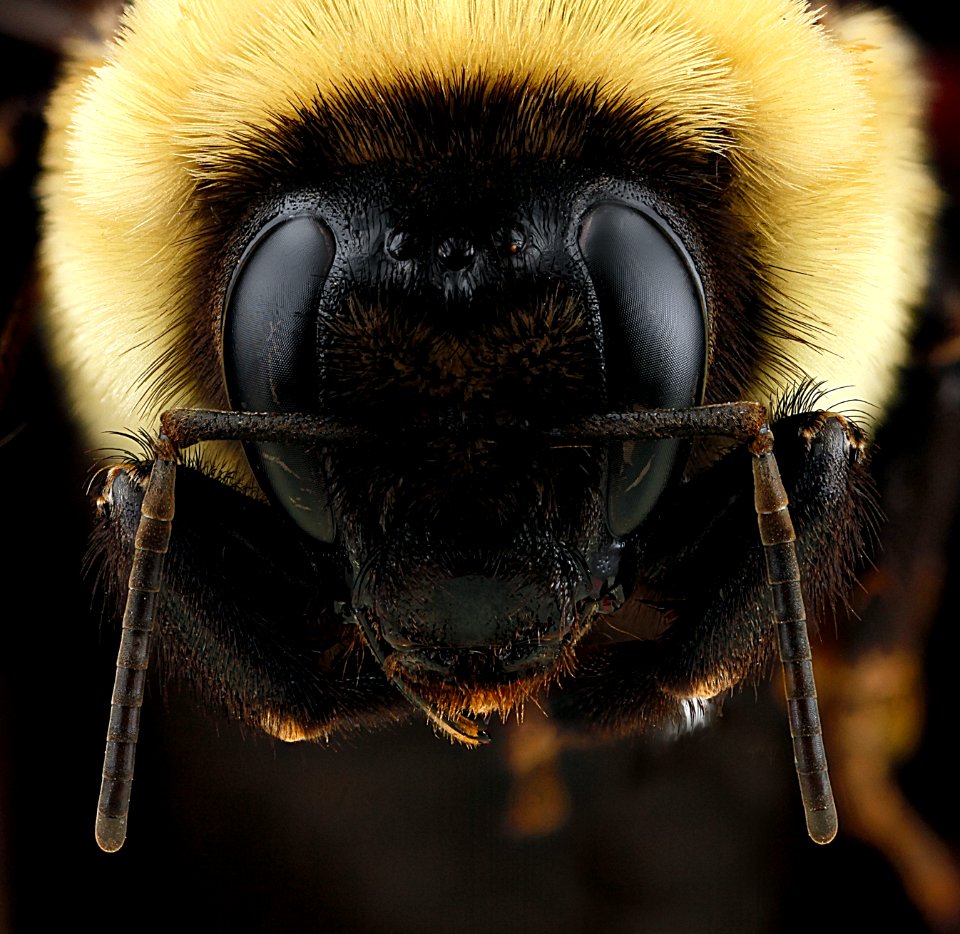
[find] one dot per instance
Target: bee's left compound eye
(653, 315)
(269, 354)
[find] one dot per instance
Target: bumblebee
(483, 298)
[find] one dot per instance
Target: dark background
(399, 831)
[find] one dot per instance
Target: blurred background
(398, 831)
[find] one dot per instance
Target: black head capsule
(606, 308)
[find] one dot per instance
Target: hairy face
(455, 318)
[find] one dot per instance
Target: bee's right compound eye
(270, 355)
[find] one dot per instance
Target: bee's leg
(248, 610)
(702, 552)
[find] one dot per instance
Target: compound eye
(653, 315)
(270, 356)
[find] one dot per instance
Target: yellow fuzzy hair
(817, 120)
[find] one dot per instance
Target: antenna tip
(822, 825)
(111, 832)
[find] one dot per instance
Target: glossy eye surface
(653, 314)
(269, 340)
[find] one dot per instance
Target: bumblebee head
(454, 316)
